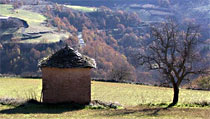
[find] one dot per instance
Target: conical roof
(67, 58)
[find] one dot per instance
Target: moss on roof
(67, 58)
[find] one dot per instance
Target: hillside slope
(37, 31)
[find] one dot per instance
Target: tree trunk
(176, 96)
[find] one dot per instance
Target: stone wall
(66, 85)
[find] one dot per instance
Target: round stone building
(66, 77)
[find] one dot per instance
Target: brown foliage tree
(106, 57)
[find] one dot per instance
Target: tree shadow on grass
(139, 112)
(31, 107)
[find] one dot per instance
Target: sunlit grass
(82, 8)
(129, 94)
(19, 88)
(126, 94)
(48, 38)
(35, 21)
(31, 17)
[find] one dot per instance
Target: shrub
(204, 83)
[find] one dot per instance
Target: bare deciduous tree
(122, 74)
(173, 52)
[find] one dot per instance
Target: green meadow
(30, 17)
(82, 8)
(36, 23)
(125, 94)
(139, 102)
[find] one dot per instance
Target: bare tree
(122, 73)
(173, 52)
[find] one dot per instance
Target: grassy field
(31, 17)
(81, 8)
(35, 21)
(48, 38)
(126, 94)
(130, 96)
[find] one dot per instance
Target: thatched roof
(67, 58)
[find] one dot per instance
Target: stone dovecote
(66, 77)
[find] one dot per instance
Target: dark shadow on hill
(30, 107)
